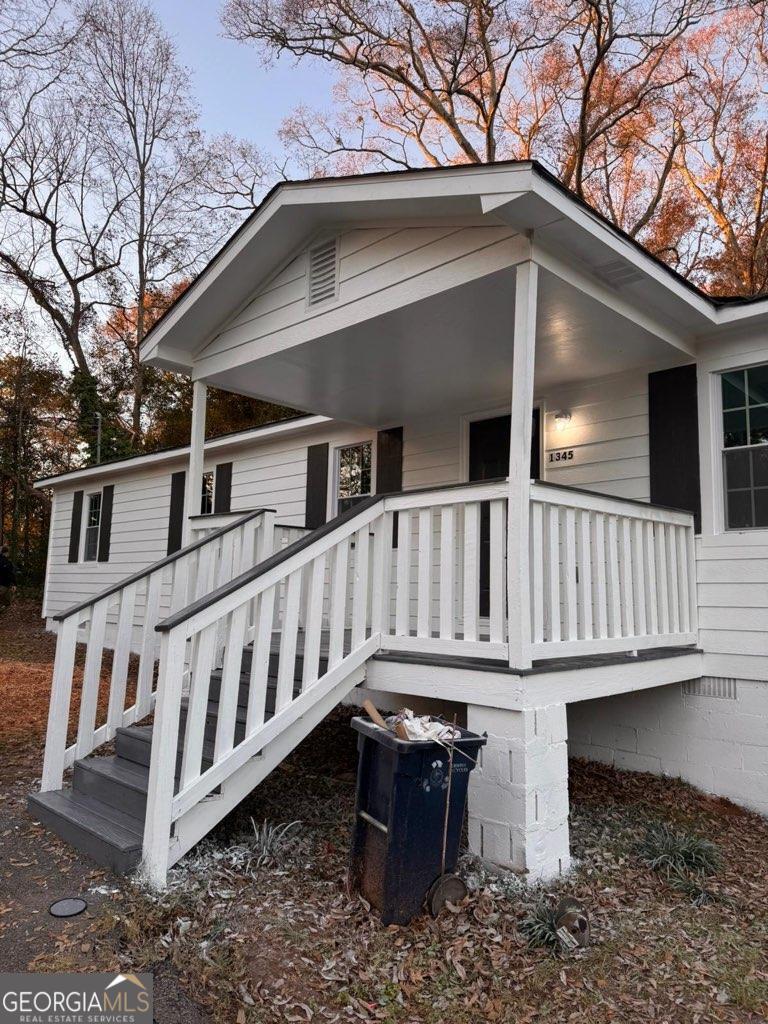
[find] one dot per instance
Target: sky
(235, 91)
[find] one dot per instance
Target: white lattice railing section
(608, 574)
(123, 619)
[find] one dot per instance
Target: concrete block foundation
(518, 793)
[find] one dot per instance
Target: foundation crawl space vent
(711, 686)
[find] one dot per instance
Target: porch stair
(102, 813)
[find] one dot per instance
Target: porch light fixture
(562, 419)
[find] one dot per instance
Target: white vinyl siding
(371, 263)
(608, 434)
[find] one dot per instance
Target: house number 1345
(565, 455)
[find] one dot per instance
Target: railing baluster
(662, 579)
(672, 567)
(58, 714)
(612, 567)
(382, 560)
(537, 572)
(584, 540)
(570, 590)
(447, 572)
(180, 583)
(229, 689)
(403, 593)
(197, 708)
(683, 579)
(638, 590)
(627, 580)
(553, 572)
(286, 669)
(338, 603)
(693, 606)
(360, 586)
(649, 577)
(260, 657)
(148, 646)
(471, 569)
(204, 569)
(120, 659)
(89, 695)
(599, 574)
(162, 770)
(424, 575)
(497, 573)
(314, 628)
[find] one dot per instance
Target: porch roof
(519, 193)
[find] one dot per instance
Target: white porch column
(518, 508)
(518, 792)
(194, 483)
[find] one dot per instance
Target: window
(745, 447)
(353, 474)
(92, 525)
(206, 499)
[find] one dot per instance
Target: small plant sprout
(270, 842)
(692, 887)
(678, 853)
(539, 927)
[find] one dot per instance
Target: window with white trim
(354, 474)
(92, 527)
(745, 447)
(206, 496)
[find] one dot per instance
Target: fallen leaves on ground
(285, 941)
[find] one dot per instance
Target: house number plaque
(563, 455)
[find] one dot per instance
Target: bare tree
(59, 237)
(423, 82)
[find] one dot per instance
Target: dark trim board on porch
(543, 665)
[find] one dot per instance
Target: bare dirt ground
(245, 935)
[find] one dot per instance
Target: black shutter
(673, 428)
(74, 526)
(317, 486)
(389, 460)
(389, 467)
(176, 514)
(105, 523)
(222, 498)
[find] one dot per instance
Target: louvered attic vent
(322, 272)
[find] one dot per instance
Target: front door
(489, 460)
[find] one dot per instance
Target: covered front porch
(517, 568)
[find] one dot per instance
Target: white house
(532, 481)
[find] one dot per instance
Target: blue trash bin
(397, 837)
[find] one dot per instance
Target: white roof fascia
(247, 437)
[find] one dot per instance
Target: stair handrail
(193, 569)
(161, 563)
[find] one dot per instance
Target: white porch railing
(123, 619)
(608, 574)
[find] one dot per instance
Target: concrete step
(106, 835)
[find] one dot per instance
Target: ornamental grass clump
(678, 854)
(539, 927)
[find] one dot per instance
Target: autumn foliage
(653, 111)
